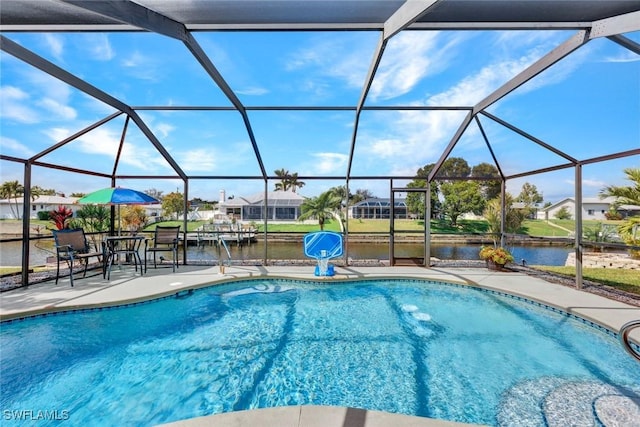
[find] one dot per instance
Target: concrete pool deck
(127, 286)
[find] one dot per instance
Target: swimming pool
(405, 346)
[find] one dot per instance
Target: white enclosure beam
(405, 16)
(579, 39)
(617, 25)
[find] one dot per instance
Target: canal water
(10, 252)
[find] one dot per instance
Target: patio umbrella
(118, 196)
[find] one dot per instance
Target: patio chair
(165, 240)
(72, 245)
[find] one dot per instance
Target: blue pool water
(403, 346)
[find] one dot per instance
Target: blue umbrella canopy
(118, 196)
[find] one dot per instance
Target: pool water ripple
(403, 346)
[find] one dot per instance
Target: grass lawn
(529, 227)
(624, 280)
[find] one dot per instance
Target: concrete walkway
(128, 286)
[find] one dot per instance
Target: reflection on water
(10, 253)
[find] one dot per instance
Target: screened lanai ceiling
(221, 94)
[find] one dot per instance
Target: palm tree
(283, 174)
(493, 214)
(627, 196)
(12, 189)
(294, 184)
(288, 181)
(323, 207)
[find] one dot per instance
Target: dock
(212, 234)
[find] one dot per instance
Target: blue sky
(587, 105)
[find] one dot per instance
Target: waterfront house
(592, 208)
(378, 208)
(281, 206)
(12, 208)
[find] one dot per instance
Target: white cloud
(253, 91)
(412, 139)
(625, 56)
(327, 163)
(141, 66)
(473, 88)
(408, 58)
(594, 183)
(57, 110)
(10, 145)
(164, 128)
(98, 46)
(14, 106)
(344, 58)
(44, 86)
(104, 142)
(199, 160)
(55, 45)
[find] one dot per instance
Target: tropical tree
(294, 184)
(454, 167)
(93, 218)
(133, 217)
(288, 181)
(61, 217)
(36, 191)
(173, 204)
(563, 213)
(361, 194)
(530, 196)
(493, 214)
(490, 188)
(415, 201)
(598, 233)
(461, 197)
(12, 190)
(627, 195)
(323, 207)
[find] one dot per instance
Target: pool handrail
(226, 248)
(625, 330)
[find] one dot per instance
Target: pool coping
(128, 287)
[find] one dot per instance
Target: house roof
(276, 198)
(592, 201)
(44, 200)
(379, 202)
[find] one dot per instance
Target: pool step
(555, 402)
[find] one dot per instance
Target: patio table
(118, 247)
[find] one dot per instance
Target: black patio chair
(72, 245)
(166, 239)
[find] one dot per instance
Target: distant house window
(33, 208)
(590, 212)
